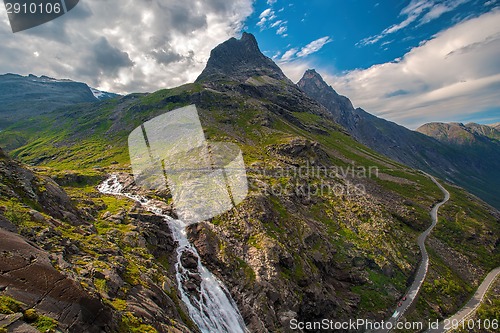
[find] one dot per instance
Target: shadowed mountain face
(435, 148)
(239, 67)
(239, 60)
(386, 137)
(327, 230)
(27, 96)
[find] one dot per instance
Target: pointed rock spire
(238, 60)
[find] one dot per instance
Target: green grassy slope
(370, 237)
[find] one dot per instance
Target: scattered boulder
(189, 260)
(31, 279)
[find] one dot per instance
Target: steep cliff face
(385, 137)
(239, 60)
(340, 106)
(29, 277)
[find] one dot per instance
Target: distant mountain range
(26, 96)
(460, 134)
(328, 230)
(467, 155)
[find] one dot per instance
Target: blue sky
(409, 61)
(353, 27)
(343, 40)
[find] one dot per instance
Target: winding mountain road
(472, 305)
(418, 281)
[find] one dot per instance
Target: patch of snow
(97, 93)
(44, 78)
(101, 95)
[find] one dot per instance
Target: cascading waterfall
(209, 303)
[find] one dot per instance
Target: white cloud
(261, 22)
(294, 53)
(276, 23)
(271, 2)
(3, 16)
(412, 12)
(281, 27)
(267, 16)
(266, 13)
(266, 19)
(314, 46)
(296, 69)
(452, 75)
(281, 30)
(392, 29)
(422, 11)
(289, 54)
(439, 9)
(162, 44)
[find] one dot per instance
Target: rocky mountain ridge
(430, 148)
(26, 96)
(460, 134)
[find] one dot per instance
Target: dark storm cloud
(218, 5)
(80, 12)
(124, 45)
(166, 57)
(185, 19)
(109, 59)
(56, 30)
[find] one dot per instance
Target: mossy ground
(42, 323)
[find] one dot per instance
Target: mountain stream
(208, 301)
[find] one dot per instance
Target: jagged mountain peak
(249, 39)
(313, 84)
(239, 60)
(312, 74)
(311, 77)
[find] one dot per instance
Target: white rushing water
(210, 306)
